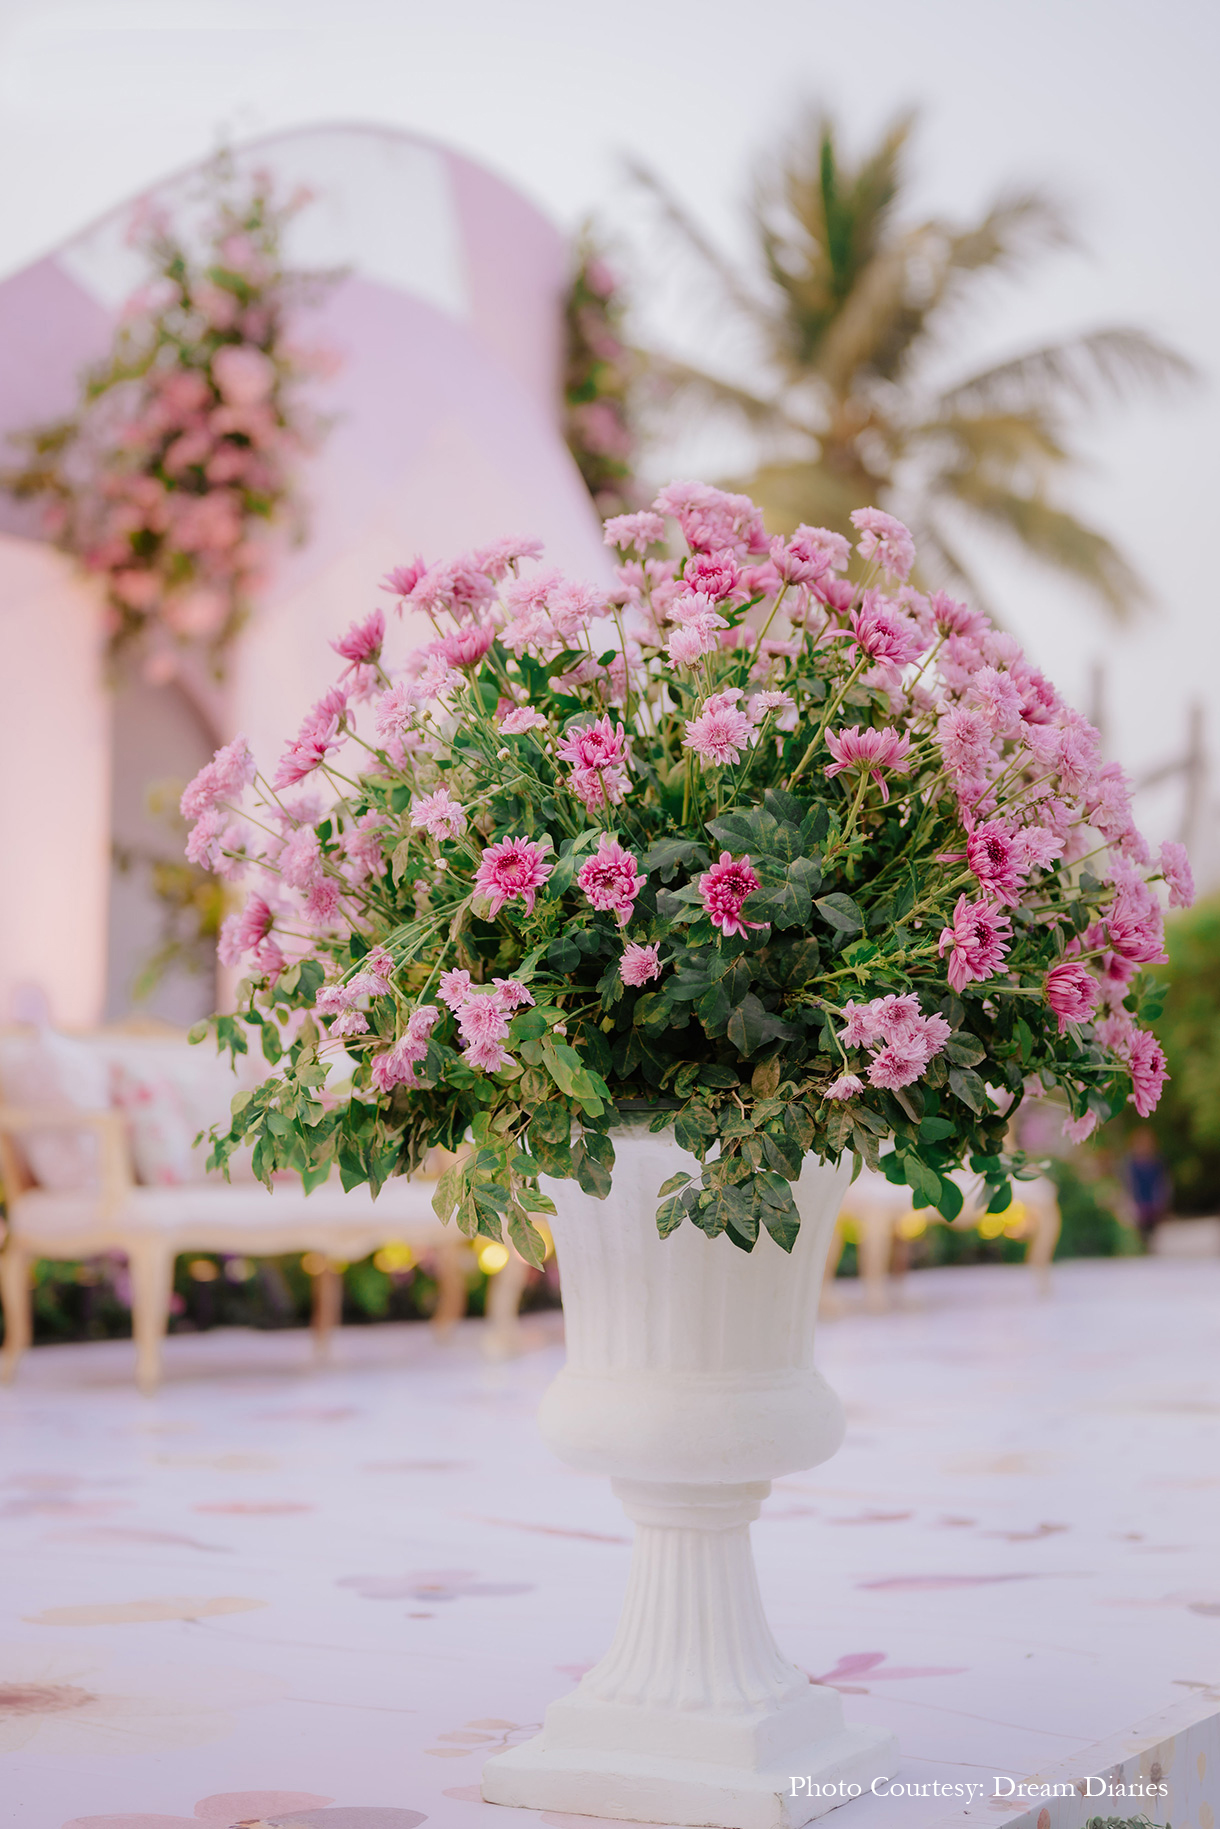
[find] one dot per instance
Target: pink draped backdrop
(444, 414)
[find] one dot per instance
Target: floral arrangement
(762, 843)
(183, 447)
(597, 381)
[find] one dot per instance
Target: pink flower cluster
(484, 1016)
(597, 756)
(900, 1038)
(184, 447)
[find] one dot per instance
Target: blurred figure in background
(1148, 1182)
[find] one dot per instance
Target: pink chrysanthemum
(896, 1064)
(634, 532)
(243, 933)
(439, 814)
(512, 994)
(454, 988)
(482, 1018)
(721, 732)
(869, 750)
(609, 879)
(320, 732)
(301, 859)
(977, 941)
(1072, 993)
(884, 633)
(723, 890)
(994, 856)
(860, 1030)
(1175, 868)
(963, 737)
(465, 647)
(885, 539)
(515, 869)
(362, 643)
(597, 754)
(230, 771)
(714, 575)
(639, 964)
(487, 1056)
(402, 579)
(847, 1086)
(763, 702)
(1146, 1061)
(515, 723)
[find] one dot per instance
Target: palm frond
(1111, 360)
(1056, 537)
(1003, 445)
(941, 264)
(820, 222)
(734, 286)
(667, 378)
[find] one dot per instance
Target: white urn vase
(690, 1382)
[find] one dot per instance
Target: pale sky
(1109, 102)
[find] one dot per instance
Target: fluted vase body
(690, 1382)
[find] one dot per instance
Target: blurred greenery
(848, 309)
(1187, 1121)
(89, 1300)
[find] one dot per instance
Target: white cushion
(57, 1072)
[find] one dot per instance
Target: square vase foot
(651, 1788)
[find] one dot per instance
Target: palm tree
(846, 310)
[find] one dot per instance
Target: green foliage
(1187, 1122)
(598, 374)
(1089, 1227)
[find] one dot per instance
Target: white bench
(151, 1225)
(875, 1212)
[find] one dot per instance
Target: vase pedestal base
(650, 1788)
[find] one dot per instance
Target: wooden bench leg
(875, 1233)
(17, 1301)
(502, 1333)
(327, 1310)
(451, 1262)
(1043, 1239)
(828, 1302)
(151, 1265)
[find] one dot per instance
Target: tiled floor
(274, 1590)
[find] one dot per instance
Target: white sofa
(70, 1165)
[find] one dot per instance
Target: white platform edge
(1182, 1741)
(647, 1788)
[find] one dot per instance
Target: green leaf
(950, 1202)
(592, 1175)
(670, 1215)
(750, 1025)
(563, 955)
(840, 912)
(680, 1180)
(671, 854)
(778, 1209)
(970, 1089)
(528, 1240)
(965, 1050)
(713, 1009)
